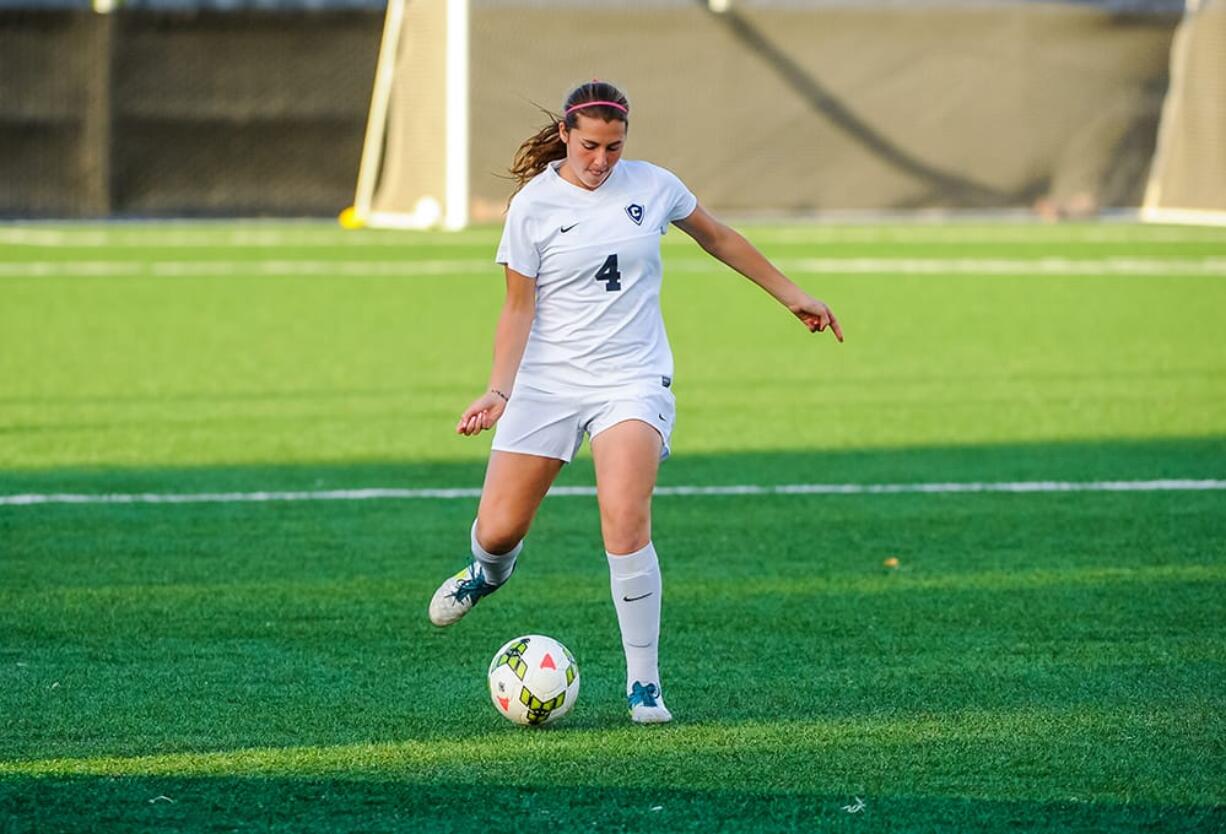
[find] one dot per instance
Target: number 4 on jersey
(609, 274)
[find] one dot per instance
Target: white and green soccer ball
(534, 680)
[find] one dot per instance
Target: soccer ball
(534, 680)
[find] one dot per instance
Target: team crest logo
(636, 213)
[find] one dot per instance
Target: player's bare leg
(515, 485)
(627, 458)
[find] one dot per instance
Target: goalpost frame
(1152, 209)
(376, 118)
(453, 213)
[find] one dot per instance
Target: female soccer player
(580, 349)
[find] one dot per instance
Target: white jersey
(595, 256)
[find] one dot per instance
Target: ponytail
(546, 146)
(536, 152)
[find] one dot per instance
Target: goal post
(1187, 179)
(414, 168)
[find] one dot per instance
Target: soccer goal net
(414, 169)
(1187, 181)
(778, 107)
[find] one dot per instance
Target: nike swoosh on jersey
(566, 229)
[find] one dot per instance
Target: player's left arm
(729, 246)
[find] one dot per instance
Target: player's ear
(563, 133)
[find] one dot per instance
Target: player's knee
(499, 536)
(626, 530)
(621, 545)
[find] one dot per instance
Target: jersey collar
(570, 187)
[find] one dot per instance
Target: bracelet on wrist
(499, 393)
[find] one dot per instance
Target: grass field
(1039, 660)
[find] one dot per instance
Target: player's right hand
(816, 316)
(481, 415)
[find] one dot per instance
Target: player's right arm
(729, 246)
(514, 325)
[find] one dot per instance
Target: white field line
(1014, 235)
(324, 235)
(319, 237)
(583, 491)
(271, 268)
(410, 268)
(1008, 266)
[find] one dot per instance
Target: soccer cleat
(457, 596)
(647, 704)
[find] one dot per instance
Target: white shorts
(552, 425)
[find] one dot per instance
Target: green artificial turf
(139, 370)
(1037, 661)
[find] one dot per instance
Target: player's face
(592, 149)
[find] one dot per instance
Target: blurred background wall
(181, 108)
(150, 112)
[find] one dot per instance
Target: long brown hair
(546, 146)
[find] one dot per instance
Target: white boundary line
(1213, 266)
(583, 491)
(168, 235)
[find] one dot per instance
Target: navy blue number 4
(609, 274)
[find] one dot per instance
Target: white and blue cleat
(457, 596)
(647, 704)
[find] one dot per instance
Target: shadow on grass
(130, 630)
(1073, 460)
(304, 804)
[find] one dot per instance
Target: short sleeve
(681, 203)
(676, 196)
(517, 249)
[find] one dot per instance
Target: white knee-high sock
(497, 567)
(635, 582)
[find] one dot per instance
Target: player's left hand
(816, 316)
(481, 415)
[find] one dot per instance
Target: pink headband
(581, 105)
